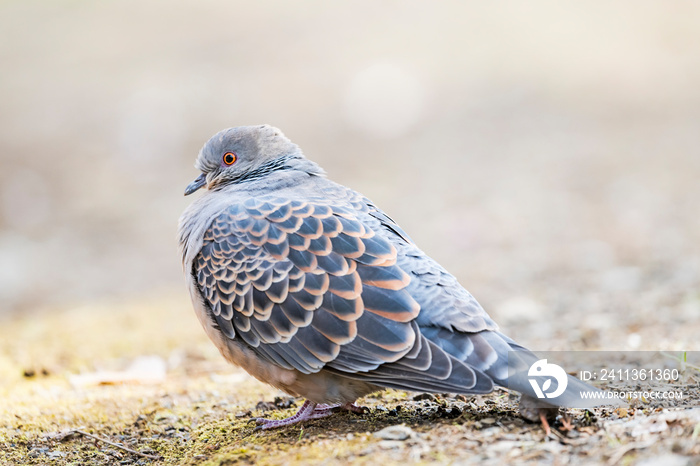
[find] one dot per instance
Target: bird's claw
(353, 408)
(307, 412)
(566, 424)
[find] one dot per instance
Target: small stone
(400, 432)
(36, 452)
(666, 460)
(284, 402)
(504, 446)
(391, 444)
(424, 397)
(514, 452)
(265, 406)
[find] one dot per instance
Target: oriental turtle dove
(311, 288)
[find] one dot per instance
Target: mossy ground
(201, 412)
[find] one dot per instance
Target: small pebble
(265, 406)
(391, 444)
(400, 432)
(665, 459)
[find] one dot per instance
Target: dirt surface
(60, 374)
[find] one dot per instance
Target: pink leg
(322, 406)
(308, 411)
(353, 408)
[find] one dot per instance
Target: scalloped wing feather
(282, 276)
(312, 285)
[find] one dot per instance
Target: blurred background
(547, 154)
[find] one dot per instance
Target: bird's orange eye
(229, 158)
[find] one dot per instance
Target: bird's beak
(200, 181)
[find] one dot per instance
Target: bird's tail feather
(524, 368)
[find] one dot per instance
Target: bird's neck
(278, 174)
(304, 165)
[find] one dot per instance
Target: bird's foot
(308, 411)
(534, 410)
(545, 423)
(566, 424)
(353, 408)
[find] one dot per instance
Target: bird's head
(240, 154)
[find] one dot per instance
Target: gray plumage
(310, 287)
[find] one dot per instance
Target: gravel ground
(155, 385)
